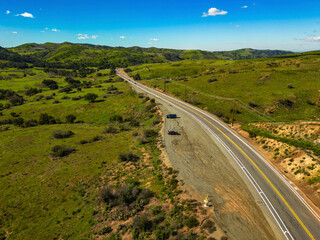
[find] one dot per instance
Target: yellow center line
(275, 189)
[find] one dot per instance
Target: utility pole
(164, 85)
(185, 92)
(233, 111)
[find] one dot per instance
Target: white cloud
(25, 14)
(244, 6)
(94, 36)
(122, 37)
(15, 32)
(82, 36)
(312, 39)
(55, 30)
(154, 39)
(214, 12)
(46, 28)
(7, 12)
(237, 26)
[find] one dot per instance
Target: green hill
(72, 55)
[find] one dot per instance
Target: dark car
(173, 133)
(171, 116)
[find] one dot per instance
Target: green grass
(263, 81)
(46, 198)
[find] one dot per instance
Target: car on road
(171, 116)
(173, 133)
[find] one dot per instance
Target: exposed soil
(296, 164)
(203, 169)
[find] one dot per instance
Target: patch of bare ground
(302, 167)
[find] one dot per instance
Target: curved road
(293, 215)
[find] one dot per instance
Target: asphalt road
(295, 216)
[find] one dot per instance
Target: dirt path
(204, 169)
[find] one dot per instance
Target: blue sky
(181, 24)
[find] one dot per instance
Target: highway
(292, 214)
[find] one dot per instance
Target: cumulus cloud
(214, 12)
(55, 30)
(237, 26)
(82, 36)
(244, 6)
(7, 12)
(312, 39)
(86, 36)
(154, 39)
(122, 37)
(15, 32)
(25, 14)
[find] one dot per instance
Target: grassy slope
(46, 198)
(94, 54)
(262, 80)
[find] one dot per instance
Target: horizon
(181, 49)
(187, 25)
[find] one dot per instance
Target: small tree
(91, 97)
(70, 118)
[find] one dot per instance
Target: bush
(31, 123)
(46, 119)
(150, 133)
(62, 151)
(65, 97)
(116, 118)
(290, 86)
(53, 85)
(112, 88)
(16, 100)
(91, 97)
(287, 103)
(33, 91)
(76, 98)
(110, 129)
(70, 118)
(62, 134)
(18, 121)
(191, 222)
(212, 80)
(141, 223)
(128, 156)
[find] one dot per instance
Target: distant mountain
(70, 55)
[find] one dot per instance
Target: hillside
(70, 55)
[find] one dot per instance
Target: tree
(70, 118)
(113, 71)
(137, 77)
(91, 97)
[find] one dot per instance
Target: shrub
(76, 98)
(62, 134)
(33, 91)
(16, 100)
(105, 230)
(116, 118)
(49, 97)
(128, 156)
(53, 85)
(110, 129)
(65, 97)
(62, 151)
(46, 119)
(31, 123)
(13, 114)
(106, 194)
(56, 101)
(66, 89)
(112, 88)
(212, 80)
(290, 86)
(141, 223)
(91, 97)
(150, 133)
(191, 222)
(18, 121)
(137, 77)
(70, 118)
(285, 103)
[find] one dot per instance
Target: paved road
(293, 215)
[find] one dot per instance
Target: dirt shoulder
(204, 169)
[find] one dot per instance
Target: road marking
(262, 173)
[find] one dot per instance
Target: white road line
(293, 189)
(264, 198)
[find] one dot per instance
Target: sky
(180, 24)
